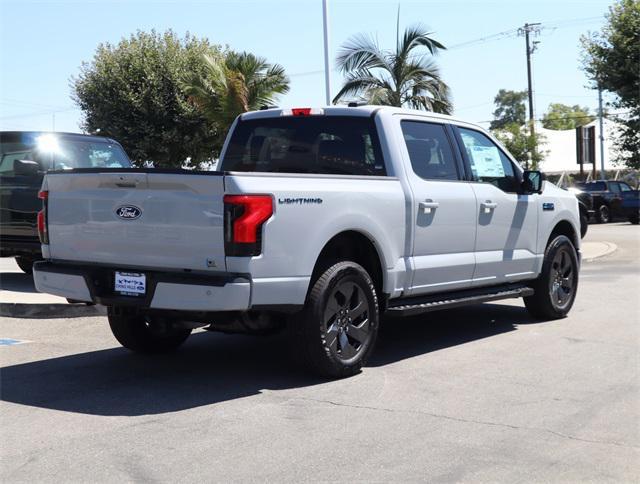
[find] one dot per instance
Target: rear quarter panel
(296, 233)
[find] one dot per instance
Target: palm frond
(361, 52)
(417, 36)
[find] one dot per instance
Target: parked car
(320, 218)
(24, 158)
(607, 198)
(631, 205)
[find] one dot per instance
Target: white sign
(487, 161)
(130, 283)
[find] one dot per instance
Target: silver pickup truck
(318, 221)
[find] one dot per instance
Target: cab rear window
(339, 145)
(54, 151)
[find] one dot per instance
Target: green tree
(400, 77)
(610, 59)
(510, 109)
(131, 92)
(560, 117)
(517, 139)
(233, 84)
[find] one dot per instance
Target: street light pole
(327, 69)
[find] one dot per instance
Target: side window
(614, 187)
(488, 163)
(624, 187)
(429, 150)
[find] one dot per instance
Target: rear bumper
(165, 290)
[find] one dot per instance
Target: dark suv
(24, 158)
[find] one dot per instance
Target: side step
(435, 302)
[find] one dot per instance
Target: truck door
(507, 220)
(443, 211)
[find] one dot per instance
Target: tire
(634, 219)
(142, 334)
(603, 214)
(25, 264)
(584, 224)
(556, 287)
(336, 332)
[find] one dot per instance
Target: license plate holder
(130, 283)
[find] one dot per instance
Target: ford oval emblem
(128, 212)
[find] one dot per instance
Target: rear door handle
(428, 205)
(488, 206)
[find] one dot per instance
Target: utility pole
(526, 31)
(327, 68)
(601, 122)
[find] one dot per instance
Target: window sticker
(487, 161)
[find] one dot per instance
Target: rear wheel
(336, 332)
(25, 263)
(603, 214)
(145, 334)
(634, 219)
(555, 288)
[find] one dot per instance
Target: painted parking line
(11, 341)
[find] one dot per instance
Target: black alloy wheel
(556, 287)
(562, 280)
(335, 333)
(346, 319)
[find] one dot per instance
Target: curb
(50, 311)
(611, 248)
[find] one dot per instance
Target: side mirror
(25, 168)
(532, 182)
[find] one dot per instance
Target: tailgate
(146, 219)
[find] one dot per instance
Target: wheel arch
(566, 228)
(355, 246)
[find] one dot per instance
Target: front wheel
(555, 288)
(144, 334)
(603, 215)
(336, 332)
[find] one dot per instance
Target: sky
(44, 43)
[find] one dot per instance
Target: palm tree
(394, 78)
(235, 84)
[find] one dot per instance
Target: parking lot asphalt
(483, 393)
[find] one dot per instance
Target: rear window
(339, 145)
(592, 186)
(59, 152)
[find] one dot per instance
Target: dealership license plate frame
(130, 283)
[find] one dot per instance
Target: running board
(435, 302)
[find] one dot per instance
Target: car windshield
(345, 145)
(592, 186)
(59, 152)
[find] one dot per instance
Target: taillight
(244, 216)
(43, 229)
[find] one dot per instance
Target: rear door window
(429, 150)
(341, 145)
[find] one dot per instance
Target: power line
(582, 116)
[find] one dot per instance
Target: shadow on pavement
(17, 281)
(213, 368)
